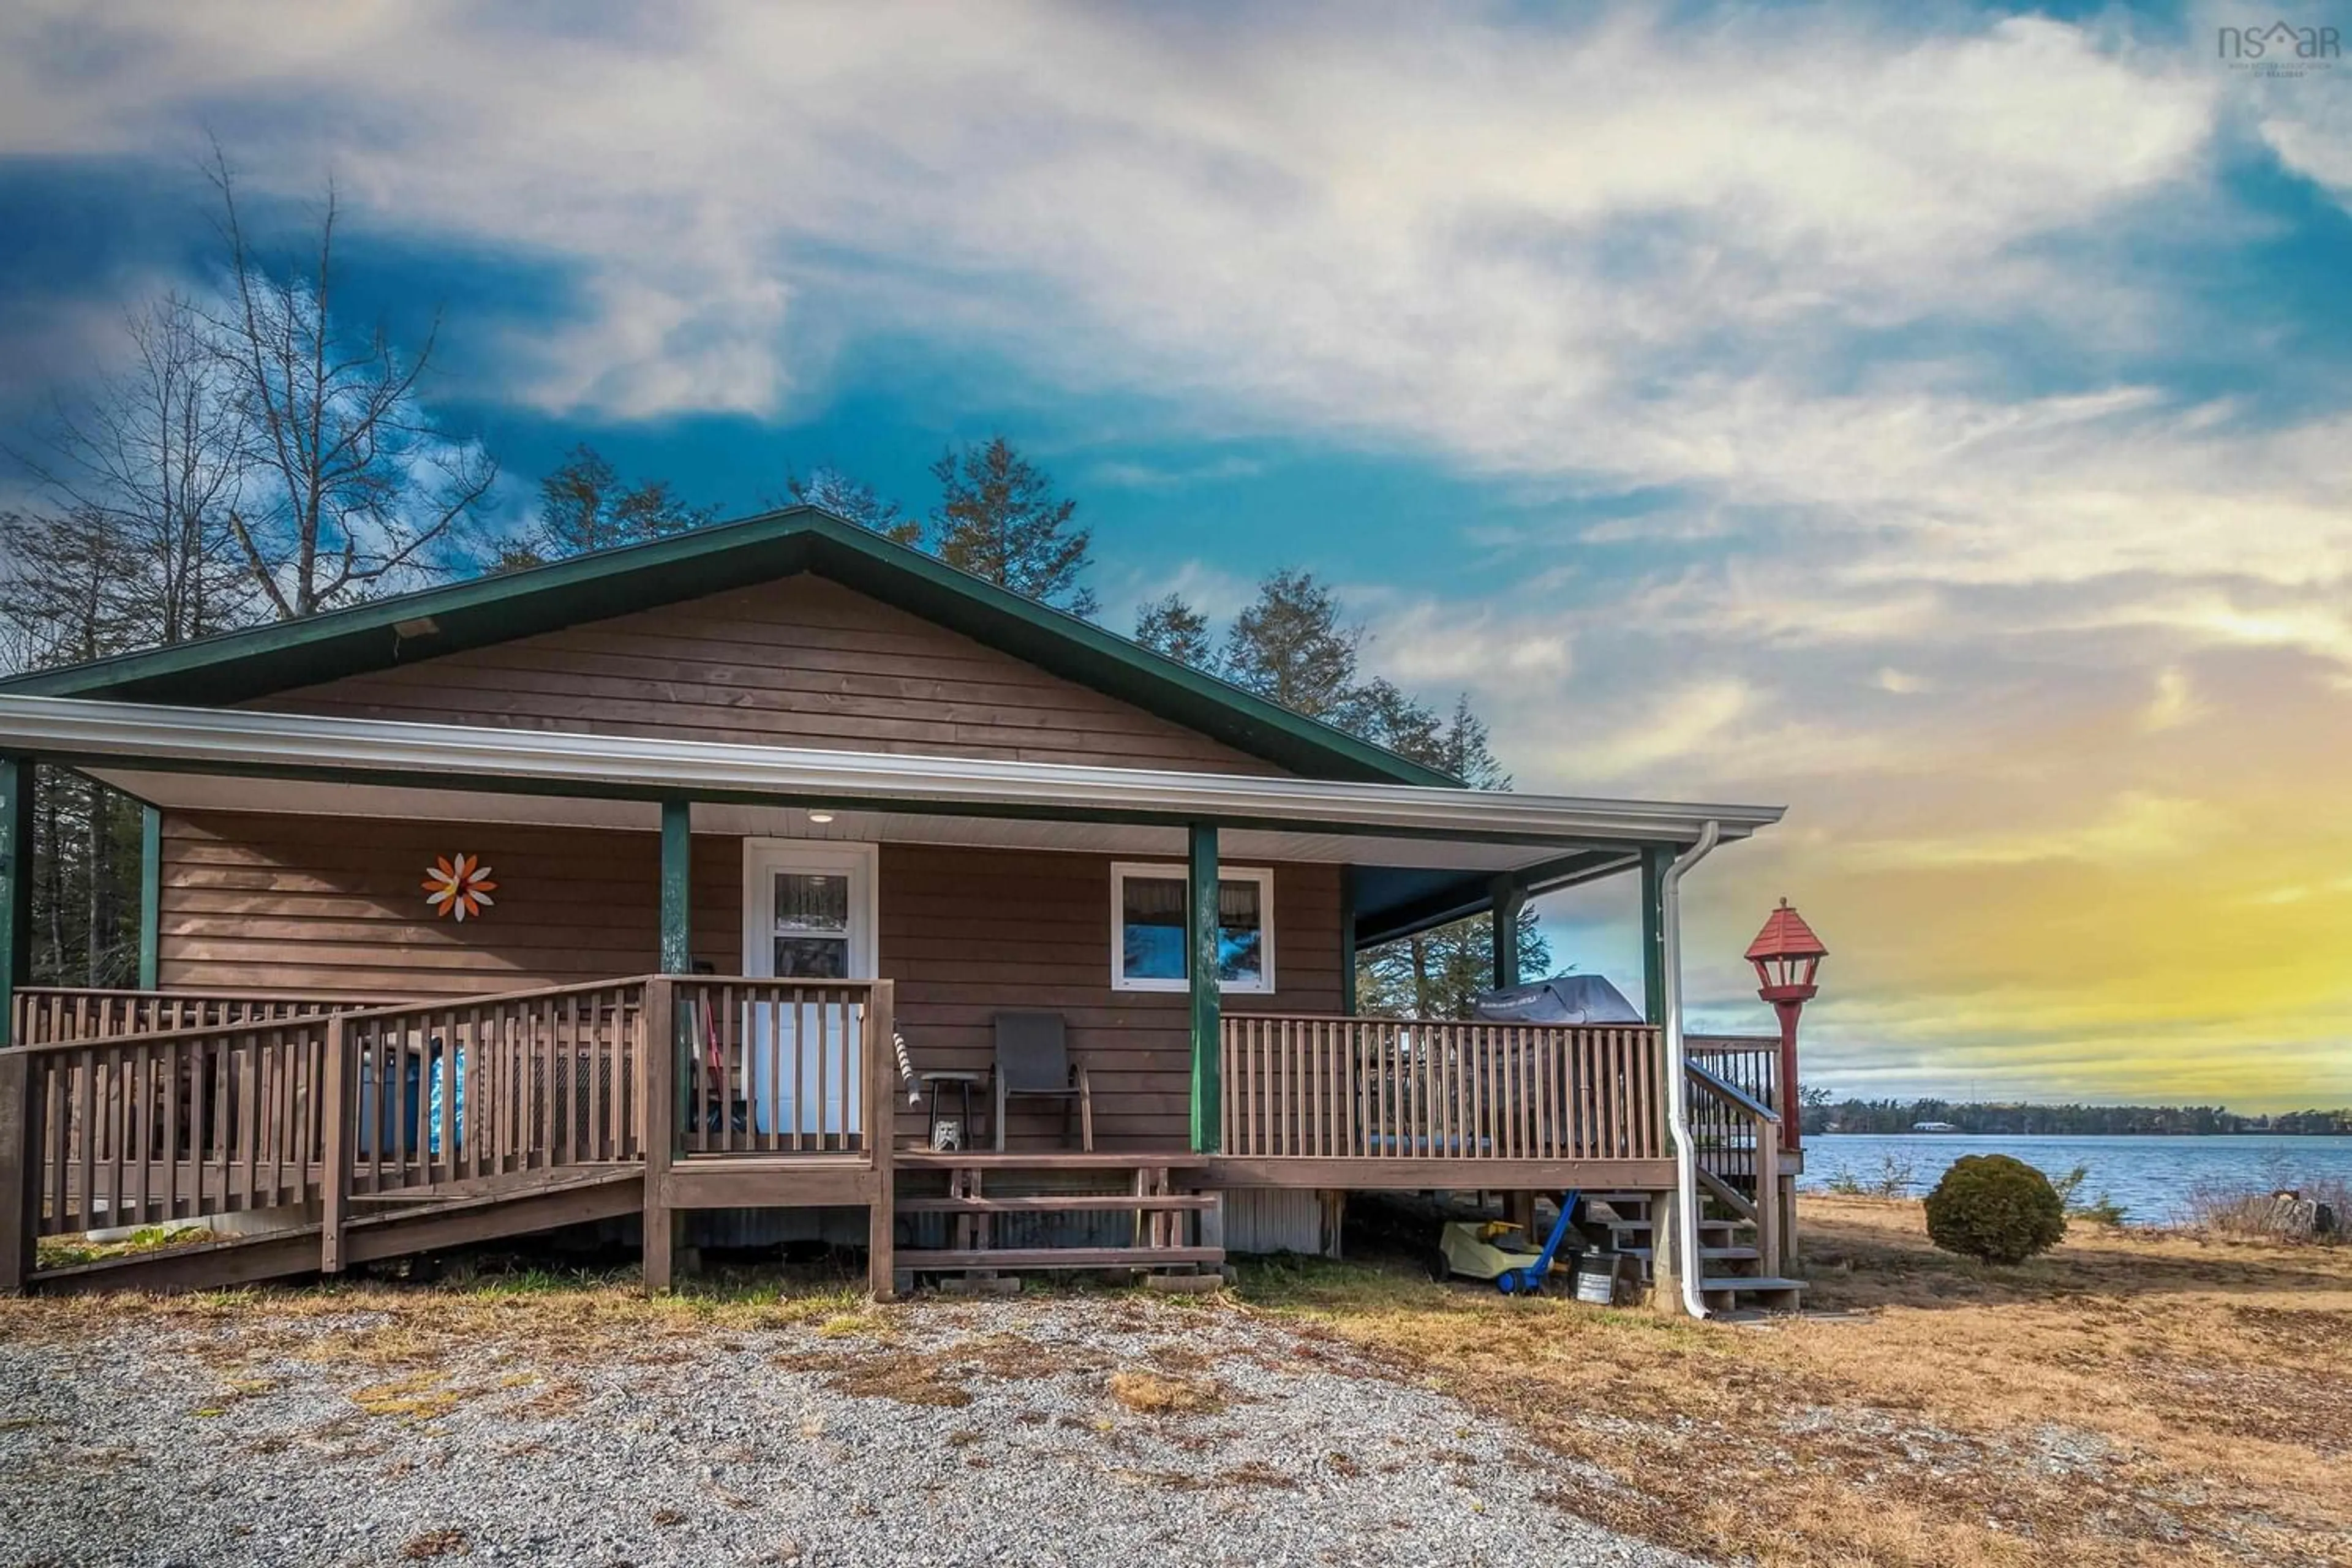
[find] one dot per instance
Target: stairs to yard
(1005, 1213)
(1732, 1274)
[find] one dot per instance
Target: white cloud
(1157, 476)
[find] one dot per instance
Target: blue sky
(1932, 418)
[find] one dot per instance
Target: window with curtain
(1150, 941)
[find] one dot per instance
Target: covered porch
(778, 1077)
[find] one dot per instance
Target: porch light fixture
(820, 817)
(1788, 957)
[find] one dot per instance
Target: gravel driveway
(1034, 1430)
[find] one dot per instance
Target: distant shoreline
(2152, 1133)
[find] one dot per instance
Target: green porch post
(676, 888)
(1208, 1101)
(1656, 858)
(151, 894)
(1347, 942)
(1504, 925)
(15, 887)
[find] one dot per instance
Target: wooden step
(918, 1259)
(1705, 1227)
(1073, 1202)
(1707, 1253)
(1728, 1292)
(1749, 1282)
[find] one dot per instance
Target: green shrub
(1996, 1208)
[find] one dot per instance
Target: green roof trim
(236, 667)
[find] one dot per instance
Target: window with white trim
(1150, 938)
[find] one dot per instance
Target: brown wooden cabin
(755, 806)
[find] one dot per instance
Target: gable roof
(257, 661)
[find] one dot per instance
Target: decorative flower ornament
(459, 890)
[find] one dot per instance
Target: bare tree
(152, 460)
(352, 489)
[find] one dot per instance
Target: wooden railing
(246, 1103)
(47, 1013)
(1750, 1063)
(440, 1092)
(1723, 1138)
(771, 1067)
(1337, 1087)
(1735, 1137)
(150, 1127)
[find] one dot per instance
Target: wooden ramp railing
(442, 1092)
(1337, 1088)
(144, 1128)
(45, 1015)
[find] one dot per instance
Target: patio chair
(1033, 1062)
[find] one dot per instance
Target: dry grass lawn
(2130, 1398)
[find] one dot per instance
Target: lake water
(2147, 1176)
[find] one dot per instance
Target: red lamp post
(1787, 956)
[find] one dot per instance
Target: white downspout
(1670, 959)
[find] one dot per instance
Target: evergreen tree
(999, 518)
(1294, 646)
(72, 591)
(853, 501)
(1173, 627)
(583, 505)
(1291, 647)
(1436, 973)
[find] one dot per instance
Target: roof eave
(86, 730)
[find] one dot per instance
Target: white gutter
(628, 766)
(1669, 939)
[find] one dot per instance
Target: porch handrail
(1730, 1093)
(770, 1065)
(42, 1015)
(1326, 1086)
(469, 1090)
(1736, 1141)
(156, 1129)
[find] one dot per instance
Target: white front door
(808, 914)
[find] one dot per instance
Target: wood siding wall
(968, 933)
(316, 905)
(800, 661)
(323, 906)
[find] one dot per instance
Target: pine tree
(1173, 627)
(1438, 972)
(583, 505)
(999, 518)
(1294, 646)
(853, 500)
(1291, 647)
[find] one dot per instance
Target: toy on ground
(1497, 1250)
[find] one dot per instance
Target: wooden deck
(367, 1131)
